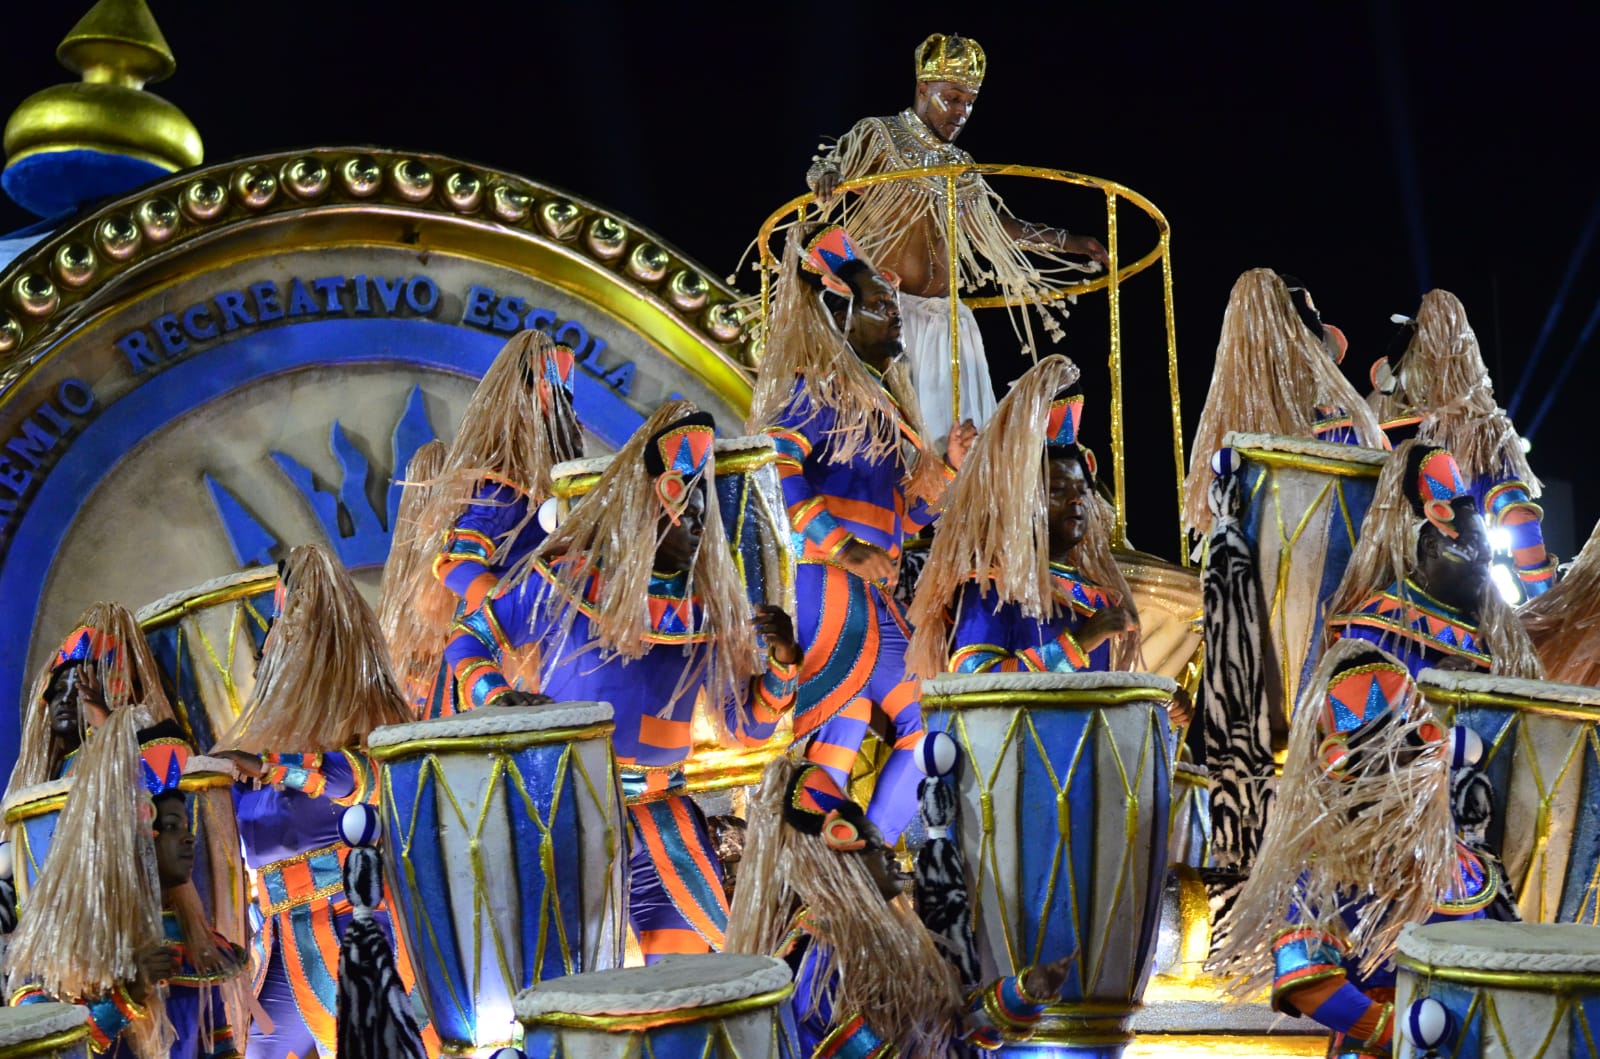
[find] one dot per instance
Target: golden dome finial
(104, 135)
(118, 42)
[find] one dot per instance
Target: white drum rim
(37, 1022)
(1293, 446)
(741, 445)
(492, 721)
(1481, 945)
(173, 600)
(747, 977)
(951, 685)
(35, 793)
(1487, 683)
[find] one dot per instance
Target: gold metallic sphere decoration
(413, 180)
(463, 190)
(688, 289)
(306, 178)
(606, 238)
(35, 294)
(560, 218)
(158, 219)
(118, 237)
(509, 204)
(255, 187)
(10, 333)
(724, 322)
(204, 199)
(362, 175)
(74, 264)
(648, 262)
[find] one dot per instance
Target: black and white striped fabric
(375, 1018)
(942, 879)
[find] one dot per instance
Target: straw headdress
(1386, 552)
(108, 638)
(516, 427)
(324, 680)
(1375, 829)
(1270, 376)
(612, 534)
(996, 526)
(414, 650)
(1564, 623)
(867, 944)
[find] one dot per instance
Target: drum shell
(1064, 789)
(1541, 757)
(763, 1033)
(507, 859)
(1499, 1012)
(31, 818)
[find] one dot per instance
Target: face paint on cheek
(939, 102)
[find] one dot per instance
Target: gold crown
(955, 58)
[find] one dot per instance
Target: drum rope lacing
(739, 977)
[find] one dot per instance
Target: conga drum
(1541, 754)
(31, 816)
(1305, 504)
(206, 640)
(505, 847)
(749, 499)
(713, 1006)
(44, 1031)
(1190, 839)
(1511, 990)
(1064, 788)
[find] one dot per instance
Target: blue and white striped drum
(505, 845)
(1509, 991)
(1064, 792)
(44, 1031)
(1541, 756)
(749, 500)
(31, 816)
(713, 1006)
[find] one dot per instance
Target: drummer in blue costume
(858, 479)
(1361, 842)
(820, 888)
(482, 514)
(1024, 512)
(1418, 582)
(323, 685)
(647, 629)
(103, 664)
(115, 923)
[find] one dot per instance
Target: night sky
(1374, 151)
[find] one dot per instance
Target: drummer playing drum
(647, 631)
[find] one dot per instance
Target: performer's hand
(1087, 245)
(778, 629)
(248, 764)
(828, 185)
(1180, 711)
(157, 963)
(1106, 623)
(962, 435)
(1046, 979)
(514, 697)
(870, 562)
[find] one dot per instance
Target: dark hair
(1302, 303)
(853, 273)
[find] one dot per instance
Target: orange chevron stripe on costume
(681, 890)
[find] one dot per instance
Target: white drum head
(675, 983)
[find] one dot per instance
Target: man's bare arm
(1028, 233)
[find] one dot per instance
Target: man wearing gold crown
(900, 226)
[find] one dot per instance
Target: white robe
(925, 324)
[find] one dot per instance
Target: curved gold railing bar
(1110, 281)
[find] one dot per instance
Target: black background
(1373, 150)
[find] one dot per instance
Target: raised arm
(478, 643)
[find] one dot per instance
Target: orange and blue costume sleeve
(1310, 979)
(998, 638)
(830, 504)
(108, 1015)
(1508, 506)
(466, 563)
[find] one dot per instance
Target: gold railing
(1110, 281)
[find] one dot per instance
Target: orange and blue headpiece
(1061, 427)
(677, 456)
(1361, 702)
(1433, 484)
(828, 250)
(88, 645)
(560, 365)
(814, 805)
